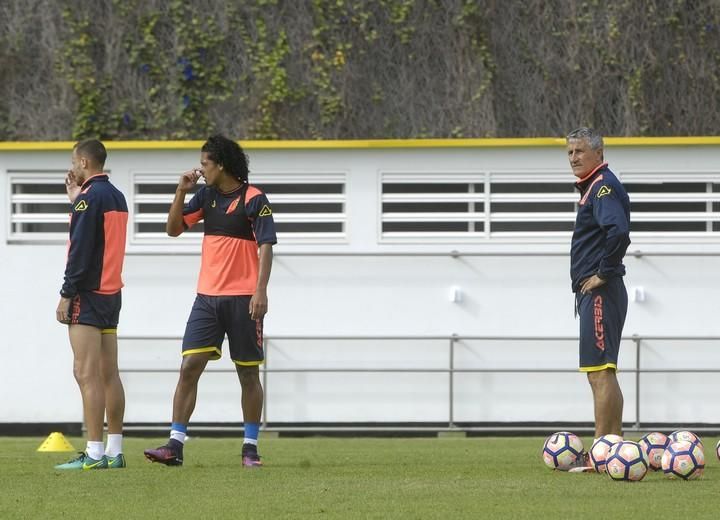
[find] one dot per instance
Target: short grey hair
(593, 137)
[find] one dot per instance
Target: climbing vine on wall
(325, 69)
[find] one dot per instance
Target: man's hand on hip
(588, 284)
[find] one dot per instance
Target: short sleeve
(193, 210)
(259, 211)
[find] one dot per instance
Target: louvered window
(307, 208)
(39, 207)
(674, 205)
(521, 206)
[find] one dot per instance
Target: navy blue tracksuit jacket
(96, 250)
(602, 227)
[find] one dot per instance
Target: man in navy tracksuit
(600, 239)
(90, 301)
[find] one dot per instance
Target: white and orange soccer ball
(561, 450)
(654, 445)
(685, 460)
(685, 435)
(626, 461)
(600, 450)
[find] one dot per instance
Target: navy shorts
(95, 309)
(602, 317)
(212, 317)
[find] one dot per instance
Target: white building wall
(509, 288)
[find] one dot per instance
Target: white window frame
(36, 177)
(189, 241)
(488, 236)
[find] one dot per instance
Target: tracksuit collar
(581, 184)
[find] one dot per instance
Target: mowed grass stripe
(341, 478)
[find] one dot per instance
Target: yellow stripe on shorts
(248, 363)
(599, 368)
(201, 350)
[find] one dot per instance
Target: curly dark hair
(228, 154)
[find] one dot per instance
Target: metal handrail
(452, 253)
(451, 369)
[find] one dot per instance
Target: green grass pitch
(317, 477)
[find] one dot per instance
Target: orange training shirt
(235, 224)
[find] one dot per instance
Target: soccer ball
(684, 460)
(626, 461)
(561, 450)
(600, 449)
(685, 435)
(654, 445)
(717, 450)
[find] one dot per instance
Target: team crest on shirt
(604, 190)
(81, 206)
(265, 211)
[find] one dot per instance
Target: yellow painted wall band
(370, 144)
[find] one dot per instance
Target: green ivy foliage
(326, 69)
(77, 66)
(267, 73)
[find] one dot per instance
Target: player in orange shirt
(239, 233)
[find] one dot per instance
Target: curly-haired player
(232, 288)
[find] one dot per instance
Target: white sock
(178, 436)
(114, 444)
(250, 441)
(95, 449)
